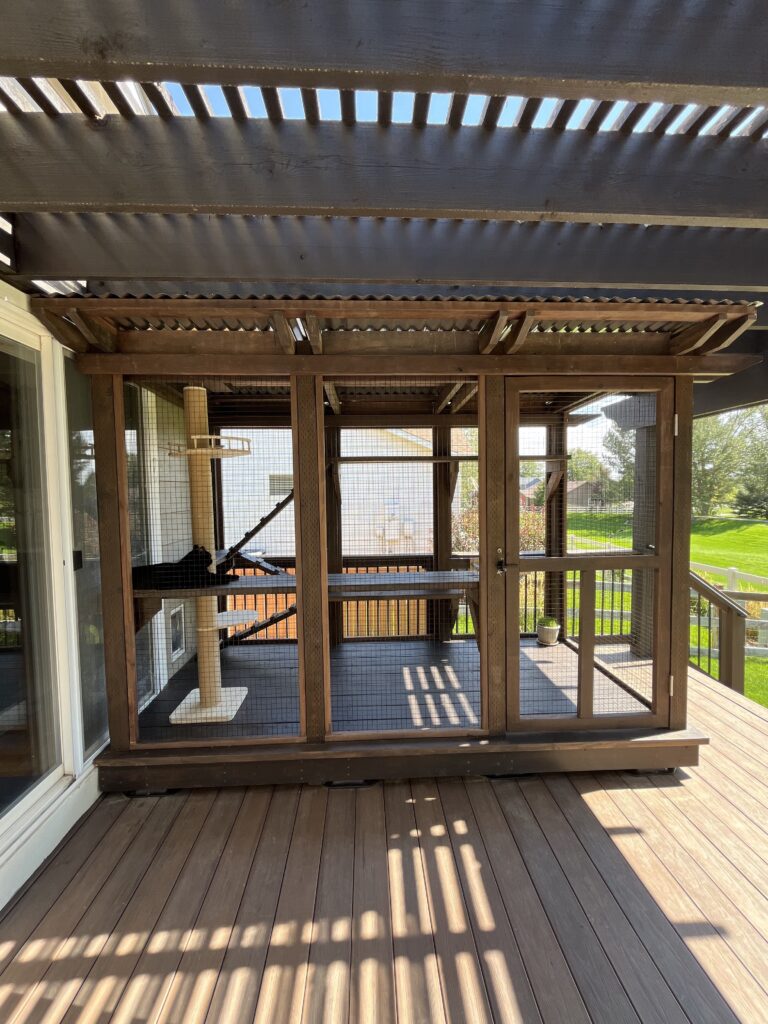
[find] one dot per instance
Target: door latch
(501, 567)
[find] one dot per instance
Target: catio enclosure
(332, 563)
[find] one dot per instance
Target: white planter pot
(547, 635)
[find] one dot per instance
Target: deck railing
(718, 632)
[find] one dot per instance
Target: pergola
(221, 192)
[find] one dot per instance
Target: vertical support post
(733, 636)
(115, 546)
(333, 524)
(643, 531)
(311, 554)
(509, 484)
(586, 643)
(554, 582)
(492, 475)
(441, 611)
(681, 546)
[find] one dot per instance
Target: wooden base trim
(329, 762)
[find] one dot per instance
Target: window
(178, 639)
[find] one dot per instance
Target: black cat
(191, 571)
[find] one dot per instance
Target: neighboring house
(581, 494)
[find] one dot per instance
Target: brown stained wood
(101, 989)
(161, 365)
(99, 334)
(586, 700)
(696, 994)
(281, 995)
(519, 331)
(20, 917)
(114, 537)
(506, 981)
(284, 334)
(239, 980)
(326, 995)
(491, 333)
(332, 397)
(634, 964)
(315, 335)
(143, 994)
(692, 338)
(311, 552)
(601, 990)
(464, 397)
(417, 977)
(492, 507)
(446, 396)
(460, 976)
(680, 567)
(66, 333)
(195, 979)
(25, 968)
(372, 991)
(70, 963)
(556, 992)
(727, 334)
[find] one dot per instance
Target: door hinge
(671, 685)
(676, 423)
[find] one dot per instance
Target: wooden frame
(666, 587)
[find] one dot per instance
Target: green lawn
(722, 542)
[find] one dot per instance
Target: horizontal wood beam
(493, 47)
(179, 366)
(151, 254)
(223, 166)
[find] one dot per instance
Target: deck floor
(393, 685)
(571, 898)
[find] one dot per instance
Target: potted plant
(547, 630)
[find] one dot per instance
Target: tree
(752, 497)
(619, 445)
(719, 445)
(586, 467)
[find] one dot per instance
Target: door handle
(501, 567)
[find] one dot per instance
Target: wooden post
(586, 643)
(681, 546)
(732, 629)
(554, 582)
(493, 645)
(509, 484)
(115, 546)
(333, 521)
(311, 555)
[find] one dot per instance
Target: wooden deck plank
(667, 886)
(102, 988)
(372, 996)
(326, 997)
(281, 997)
(570, 898)
(417, 978)
(27, 909)
(52, 996)
(239, 979)
(143, 996)
(600, 987)
(725, 695)
(635, 966)
(34, 956)
(506, 981)
(695, 992)
(557, 994)
(464, 993)
(193, 984)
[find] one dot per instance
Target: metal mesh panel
(214, 572)
(549, 674)
(626, 657)
(404, 596)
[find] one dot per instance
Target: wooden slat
(420, 109)
(115, 94)
(385, 108)
(519, 331)
(41, 99)
(285, 335)
(462, 982)
(326, 996)
(457, 108)
(348, 113)
(239, 980)
(117, 250)
(466, 173)
(272, 104)
(528, 114)
(492, 111)
(417, 977)
(234, 100)
(434, 48)
(372, 995)
(311, 106)
(491, 333)
(159, 100)
(691, 338)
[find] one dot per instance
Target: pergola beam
(157, 251)
(223, 166)
(493, 47)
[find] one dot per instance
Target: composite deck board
(560, 898)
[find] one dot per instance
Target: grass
(725, 543)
